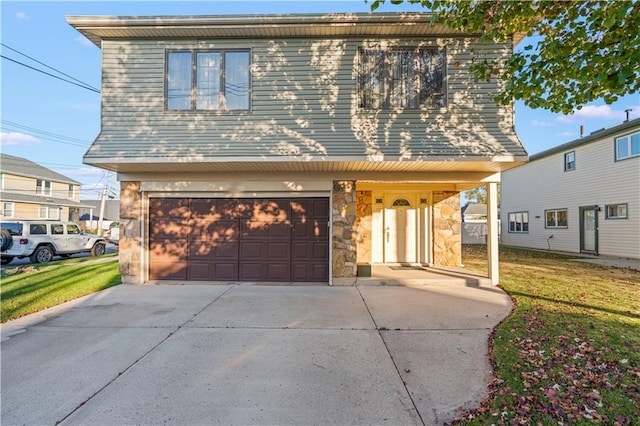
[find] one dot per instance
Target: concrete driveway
(252, 354)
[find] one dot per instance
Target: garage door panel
(310, 208)
(210, 271)
(161, 270)
(171, 208)
(310, 230)
(252, 250)
(168, 250)
(213, 251)
(264, 230)
(225, 230)
(167, 229)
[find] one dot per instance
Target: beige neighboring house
(580, 197)
(30, 191)
(293, 148)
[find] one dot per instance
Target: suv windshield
(13, 228)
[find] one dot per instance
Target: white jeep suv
(41, 240)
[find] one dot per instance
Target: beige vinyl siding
(303, 104)
(597, 180)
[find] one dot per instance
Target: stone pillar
(130, 244)
(447, 223)
(344, 233)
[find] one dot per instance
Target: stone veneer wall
(364, 212)
(344, 233)
(447, 221)
(130, 244)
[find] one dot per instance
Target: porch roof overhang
(408, 24)
(197, 164)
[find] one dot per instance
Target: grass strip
(43, 286)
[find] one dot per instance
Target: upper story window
(72, 192)
(402, 78)
(628, 146)
(570, 161)
(208, 80)
(556, 218)
(43, 187)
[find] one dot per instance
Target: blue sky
(53, 123)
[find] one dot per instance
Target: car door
(74, 238)
(58, 237)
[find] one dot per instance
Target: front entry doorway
(399, 234)
(589, 229)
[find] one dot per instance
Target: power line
(51, 75)
(42, 134)
(51, 68)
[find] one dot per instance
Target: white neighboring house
(581, 197)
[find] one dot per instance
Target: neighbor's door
(400, 232)
(589, 229)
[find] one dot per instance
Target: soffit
(97, 28)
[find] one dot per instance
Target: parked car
(41, 240)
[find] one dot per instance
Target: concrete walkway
(241, 354)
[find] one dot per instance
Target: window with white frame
(2, 178)
(616, 211)
(43, 187)
(519, 222)
(208, 80)
(408, 78)
(557, 218)
(569, 161)
(8, 209)
(628, 146)
(72, 192)
(46, 212)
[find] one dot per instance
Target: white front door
(400, 232)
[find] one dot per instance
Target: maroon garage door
(198, 239)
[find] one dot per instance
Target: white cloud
(21, 15)
(84, 41)
(593, 112)
(539, 123)
(17, 139)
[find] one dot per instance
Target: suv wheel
(6, 240)
(7, 260)
(98, 249)
(42, 255)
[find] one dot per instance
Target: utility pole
(100, 219)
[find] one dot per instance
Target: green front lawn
(43, 286)
(570, 352)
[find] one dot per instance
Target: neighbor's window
(616, 211)
(46, 212)
(43, 187)
(556, 218)
(208, 80)
(519, 222)
(72, 192)
(402, 78)
(570, 161)
(628, 146)
(8, 209)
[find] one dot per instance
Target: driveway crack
(379, 330)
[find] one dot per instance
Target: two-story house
(581, 197)
(295, 147)
(31, 191)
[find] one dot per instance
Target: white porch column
(492, 232)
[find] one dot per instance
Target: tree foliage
(586, 50)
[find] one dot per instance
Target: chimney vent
(627, 111)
